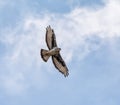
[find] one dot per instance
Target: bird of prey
(54, 52)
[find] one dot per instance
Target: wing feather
(60, 64)
(50, 38)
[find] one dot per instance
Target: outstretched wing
(60, 64)
(50, 38)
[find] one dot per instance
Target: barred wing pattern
(60, 64)
(56, 57)
(50, 38)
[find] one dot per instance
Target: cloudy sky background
(88, 31)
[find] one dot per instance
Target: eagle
(54, 52)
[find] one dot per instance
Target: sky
(87, 31)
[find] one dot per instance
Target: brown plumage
(54, 52)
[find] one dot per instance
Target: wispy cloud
(78, 32)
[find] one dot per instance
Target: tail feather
(44, 56)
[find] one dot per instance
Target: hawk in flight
(54, 52)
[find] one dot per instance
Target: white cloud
(105, 21)
(75, 34)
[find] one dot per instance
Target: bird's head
(58, 49)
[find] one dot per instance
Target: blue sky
(89, 35)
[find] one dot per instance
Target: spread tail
(44, 55)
